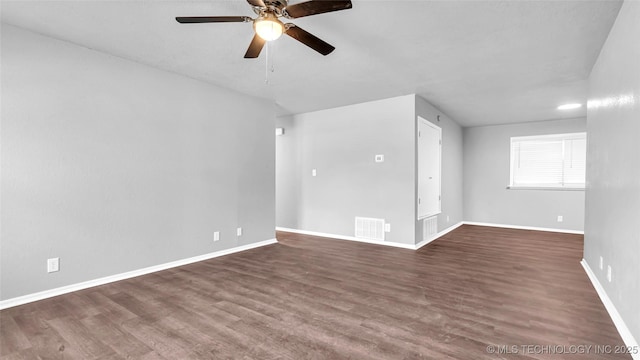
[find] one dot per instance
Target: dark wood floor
(316, 298)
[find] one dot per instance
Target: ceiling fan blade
(316, 7)
(211, 19)
(259, 3)
(309, 39)
(255, 47)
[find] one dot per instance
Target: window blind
(554, 161)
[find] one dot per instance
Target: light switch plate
(379, 158)
(53, 265)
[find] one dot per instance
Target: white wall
(452, 167)
(613, 166)
(113, 166)
(486, 177)
(341, 144)
(287, 174)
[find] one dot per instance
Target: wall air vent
(429, 228)
(370, 228)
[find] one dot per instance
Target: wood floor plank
(114, 311)
(317, 298)
(46, 342)
(26, 354)
(11, 338)
(163, 341)
(121, 342)
(80, 338)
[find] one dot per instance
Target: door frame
(428, 123)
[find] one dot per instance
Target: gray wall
(113, 166)
(486, 176)
(613, 167)
(341, 144)
(452, 167)
(287, 174)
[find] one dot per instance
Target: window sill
(545, 188)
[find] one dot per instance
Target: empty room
(343, 179)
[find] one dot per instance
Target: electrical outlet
(447, 218)
(560, 218)
(239, 231)
(609, 273)
(601, 263)
(379, 158)
(387, 227)
(216, 236)
(53, 265)
(314, 172)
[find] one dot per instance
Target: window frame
(563, 137)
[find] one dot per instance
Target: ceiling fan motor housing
(271, 6)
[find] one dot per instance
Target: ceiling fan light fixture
(268, 27)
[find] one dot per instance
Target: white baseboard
(623, 330)
(344, 237)
(130, 274)
(440, 234)
(524, 227)
(424, 242)
(386, 243)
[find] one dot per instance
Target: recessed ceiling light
(569, 106)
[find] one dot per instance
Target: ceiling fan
(267, 24)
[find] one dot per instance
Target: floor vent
(429, 228)
(370, 228)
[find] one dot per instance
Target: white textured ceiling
(481, 62)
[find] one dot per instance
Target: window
(549, 161)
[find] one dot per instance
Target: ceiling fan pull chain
(273, 68)
(266, 65)
(272, 58)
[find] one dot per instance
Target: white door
(429, 155)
